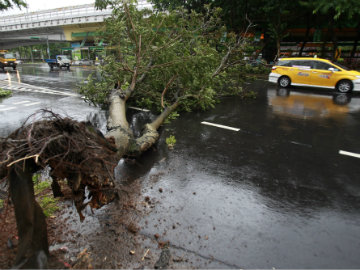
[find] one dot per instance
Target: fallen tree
(164, 61)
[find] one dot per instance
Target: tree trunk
(335, 45)
(353, 51)
(277, 48)
(33, 247)
(306, 39)
(118, 127)
(329, 33)
(356, 42)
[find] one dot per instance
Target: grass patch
(4, 93)
(1, 203)
(44, 196)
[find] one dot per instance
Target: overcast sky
(35, 5)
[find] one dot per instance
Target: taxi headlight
(5, 62)
(357, 77)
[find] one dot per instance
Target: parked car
(314, 72)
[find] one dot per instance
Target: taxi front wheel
(284, 81)
(344, 86)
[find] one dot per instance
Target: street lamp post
(47, 43)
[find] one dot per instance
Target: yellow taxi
(7, 60)
(314, 72)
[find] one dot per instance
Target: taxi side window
(285, 63)
(324, 66)
(303, 64)
(321, 65)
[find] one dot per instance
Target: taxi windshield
(342, 66)
(9, 56)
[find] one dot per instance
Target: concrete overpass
(75, 23)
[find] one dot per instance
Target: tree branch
(239, 42)
(165, 90)
(143, 75)
(127, 11)
(168, 110)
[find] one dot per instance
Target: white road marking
(302, 144)
(341, 152)
(21, 102)
(139, 109)
(220, 126)
(7, 109)
(31, 104)
(37, 89)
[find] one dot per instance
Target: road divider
(220, 126)
(346, 153)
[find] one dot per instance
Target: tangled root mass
(74, 150)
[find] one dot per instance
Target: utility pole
(48, 49)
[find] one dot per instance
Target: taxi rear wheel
(344, 86)
(284, 81)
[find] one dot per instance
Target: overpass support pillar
(31, 54)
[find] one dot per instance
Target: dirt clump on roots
(103, 241)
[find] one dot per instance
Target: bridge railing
(60, 16)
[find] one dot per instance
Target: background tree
(275, 17)
(332, 15)
(6, 4)
(339, 8)
(234, 14)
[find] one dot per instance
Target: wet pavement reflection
(304, 105)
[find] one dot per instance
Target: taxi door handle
(314, 72)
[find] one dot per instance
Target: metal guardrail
(62, 16)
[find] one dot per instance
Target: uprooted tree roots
(73, 150)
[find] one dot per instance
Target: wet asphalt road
(276, 193)
(35, 87)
